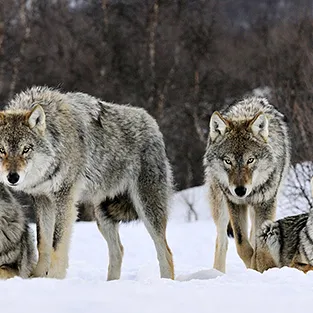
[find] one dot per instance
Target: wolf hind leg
(151, 205)
(109, 230)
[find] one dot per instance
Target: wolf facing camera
(246, 160)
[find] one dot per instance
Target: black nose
(240, 191)
(13, 177)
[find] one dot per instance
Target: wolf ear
(218, 125)
(259, 125)
(36, 118)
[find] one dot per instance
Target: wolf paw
(269, 234)
(40, 271)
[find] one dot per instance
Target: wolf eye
(227, 161)
(26, 150)
(250, 160)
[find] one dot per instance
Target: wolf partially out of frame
(290, 240)
(17, 246)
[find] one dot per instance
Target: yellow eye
(227, 161)
(26, 150)
(250, 161)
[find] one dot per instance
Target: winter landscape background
(197, 287)
(181, 60)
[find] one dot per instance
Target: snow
(197, 288)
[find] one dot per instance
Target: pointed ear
(218, 125)
(259, 125)
(36, 118)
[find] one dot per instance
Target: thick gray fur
(283, 237)
(89, 151)
(251, 129)
(17, 248)
(290, 240)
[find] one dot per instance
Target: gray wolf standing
(64, 148)
(17, 248)
(290, 240)
(246, 160)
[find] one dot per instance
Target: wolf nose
(13, 178)
(240, 191)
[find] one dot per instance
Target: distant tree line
(179, 59)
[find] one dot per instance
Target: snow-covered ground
(196, 289)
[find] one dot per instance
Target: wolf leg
(262, 258)
(221, 220)
(269, 235)
(238, 219)
(64, 221)
(7, 272)
(45, 216)
(109, 230)
(152, 210)
(252, 237)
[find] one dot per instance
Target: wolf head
(239, 154)
(24, 152)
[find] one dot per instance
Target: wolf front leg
(238, 218)
(262, 258)
(45, 216)
(66, 214)
(221, 219)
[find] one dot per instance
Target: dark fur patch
(55, 171)
(38, 232)
(239, 236)
(57, 235)
(119, 209)
(13, 266)
(230, 231)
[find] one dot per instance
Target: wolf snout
(13, 178)
(240, 191)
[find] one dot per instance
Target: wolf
(17, 247)
(68, 148)
(290, 240)
(246, 160)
